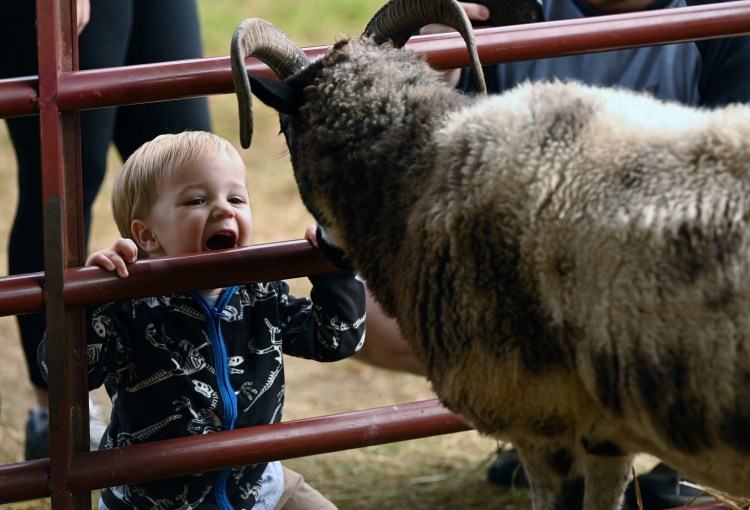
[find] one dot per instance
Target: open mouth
(221, 240)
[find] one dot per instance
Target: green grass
(307, 23)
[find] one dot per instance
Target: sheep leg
(555, 472)
(557, 468)
(606, 477)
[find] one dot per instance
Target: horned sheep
(570, 263)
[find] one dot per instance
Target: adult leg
(103, 43)
(25, 244)
(162, 31)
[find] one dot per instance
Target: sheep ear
(278, 94)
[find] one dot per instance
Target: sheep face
(341, 133)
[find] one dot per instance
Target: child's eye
(195, 201)
(237, 200)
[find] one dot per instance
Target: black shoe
(37, 443)
(507, 471)
(661, 488)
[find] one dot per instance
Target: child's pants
(298, 495)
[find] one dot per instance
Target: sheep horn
(258, 38)
(398, 20)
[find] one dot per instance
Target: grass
(431, 473)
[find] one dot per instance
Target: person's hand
(332, 252)
(83, 14)
(123, 252)
(310, 234)
(475, 12)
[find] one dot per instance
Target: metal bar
(286, 440)
(187, 455)
(24, 480)
(588, 35)
(60, 156)
(158, 82)
(197, 271)
(21, 294)
(18, 96)
(50, 120)
(289, 259)
(709, 505)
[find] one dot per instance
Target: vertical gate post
(63, 247)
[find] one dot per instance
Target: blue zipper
(229, 418)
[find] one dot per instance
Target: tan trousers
(298, 495)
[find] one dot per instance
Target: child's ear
(144, 236)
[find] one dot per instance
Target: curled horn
(258, 38)
(398, 20)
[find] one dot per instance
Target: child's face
(200, 207)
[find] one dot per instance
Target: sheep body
(624, 224)
(571, 264)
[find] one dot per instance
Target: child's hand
(331, 251)
(123, 252)
(310, 234)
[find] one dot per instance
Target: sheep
(571, 264)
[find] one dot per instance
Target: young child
(199, 362)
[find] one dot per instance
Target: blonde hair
(135, 188)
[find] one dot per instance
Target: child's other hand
(310, 234)
(123, 252)
(332, 252)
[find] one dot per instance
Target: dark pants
(121, 32)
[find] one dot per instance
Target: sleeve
(103, 339)
(725, 68)
(107, 339)
(331, 325)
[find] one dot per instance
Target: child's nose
(223, 209)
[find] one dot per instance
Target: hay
(730, 502)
